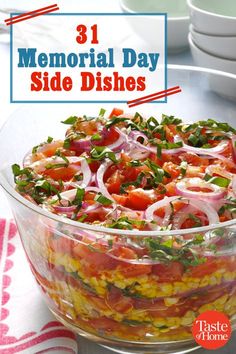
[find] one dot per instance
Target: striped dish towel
(26, 325)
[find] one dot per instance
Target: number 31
(82, 37)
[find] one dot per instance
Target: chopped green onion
(71, 120)
(102, 112)
(100, 198)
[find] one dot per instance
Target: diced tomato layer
(168, 272)
(134, 270)
(208, 267)
(117, 301)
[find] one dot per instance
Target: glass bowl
(128, 306)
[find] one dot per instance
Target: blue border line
(88, 14)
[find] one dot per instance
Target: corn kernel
(169, 301)
(206, 307)
(188, 318)
(167, 289)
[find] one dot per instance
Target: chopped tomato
(168, 272)
(62, 173)
(62, 244)
(194, 159)
(124, 252)
(210, 266)
(170, 189)
(195, 171)
(94, 165)
(140, 199)
(98, 260)
(109, 138)
(134, 270)
(116, 112)
(171, 311)
(172, 169)
(120, 199)
(49, 149)
(169, 134)
(114, 182)
(117, 301)
(104, 323)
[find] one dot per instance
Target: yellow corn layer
(145, 285)
(74, 303)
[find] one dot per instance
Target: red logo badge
(211, 329)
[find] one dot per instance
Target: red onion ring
(99, 179)
(233, 141)
(206, 208)
(182, 188)
(80, 145)
(87, 174)
(181, 216)
(135, 134)
(218, 170)
(217, 149)
(149, 213)
(39, 165)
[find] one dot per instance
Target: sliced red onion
(218, 170)
(233, 185)
(206, 208)
(137, 261)
(224, 159)
(166, 219)
(99, 179)
(200, 151)
(40, 164)
(183, 189)
(92, 189)
(87, 209)
(181, 216)
(80, 145)
(233, 141)
(64, 209)
(135, 134)
(119, 143)
(87, 174)
(67, 195)
(149, 214)
(27, 161)
(68, 211)
(138, 155)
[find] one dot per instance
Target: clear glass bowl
(122, 305)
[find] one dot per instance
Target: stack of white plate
(212, 36)
(177, 20)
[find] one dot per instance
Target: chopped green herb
(101, 152)
(166, 120)
(79, 197)
(50, 166)
(220, 181)
(66, 144)
(96, 137)
(102, 112)
(102, 199)
(196, 220)
(49, 140)
(183, 168)
(71, 120)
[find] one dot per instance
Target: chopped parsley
(101, 152)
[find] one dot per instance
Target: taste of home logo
(212, 329)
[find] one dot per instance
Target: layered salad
(140, 248)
